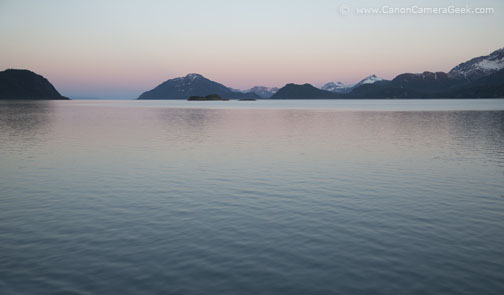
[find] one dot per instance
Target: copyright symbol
(344, 10)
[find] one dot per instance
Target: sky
(119, 49)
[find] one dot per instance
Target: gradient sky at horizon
(118, 49)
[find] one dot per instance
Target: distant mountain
(368, 80)
(491, 86)
(305, 91)
(479, 77)
(427, 82)
(434, 85)
(339, 87)
(423, 85)
(336, 87)
(25, 84)
(192, 85)
(479, 67)
(263, 91)
(235, 90)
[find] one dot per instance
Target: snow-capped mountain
(262, 91)
(192, 85)
(336, 87)
(368, 80)
(479, 67)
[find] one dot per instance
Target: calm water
(266, 197)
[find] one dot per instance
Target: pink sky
(92, 48)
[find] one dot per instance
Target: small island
(247, 99)
(211, 97)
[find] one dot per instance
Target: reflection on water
(189, 122)
(150, 197)
(26, 117)
(24, 124)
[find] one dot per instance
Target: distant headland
(25, 84)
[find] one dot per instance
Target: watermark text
(415, 10)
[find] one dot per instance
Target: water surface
(265, 197)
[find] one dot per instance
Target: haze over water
(266, 197)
